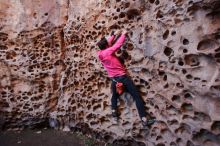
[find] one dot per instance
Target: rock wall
(49, 67)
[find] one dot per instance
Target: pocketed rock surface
(50, 70)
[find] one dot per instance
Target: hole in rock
(157, 2)
(188, 96)
(25, 97)
(35, 14)
(176, 20)
(168, 51)
(207, 44)
(196, 78)
(173, 32)
(4, 105)
(103, 11)
(189, 143)
(166, 86)
(127, 5)
(192, 60)
(180, 63)
(190, 2)
(161, 73)
(216, 126)
(93, 123)
(217, 50)
(217, 55)
(165, 34)
(132, 13)
(158, 138)
(186, 107)
(3, 36)
(130, 46)
(173, 122)
(159, 14)
(173, 144)
(12, 100)
(215, 12)
(131, 33)
(165, 77)
(184, 128)
(179, 85)
(185, 50)
(202, 117)
(160, 144)
(189, 76)
(185, 41)
(108, 138)
(122, 15)
(10, 55)
(176, 98)
(184, 71)
(205, 135)
(151, 1)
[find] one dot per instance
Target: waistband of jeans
(119, 77)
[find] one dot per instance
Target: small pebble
(19, 142)
(38, 132)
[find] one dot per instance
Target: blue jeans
(130, 88)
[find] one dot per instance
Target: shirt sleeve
(115, 47)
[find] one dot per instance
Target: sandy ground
(44, 137)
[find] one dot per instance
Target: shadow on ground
(44, 137)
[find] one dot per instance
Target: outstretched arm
(111, 39)
(114, 37)
(115, 47)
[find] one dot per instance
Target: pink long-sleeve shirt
(108, 59)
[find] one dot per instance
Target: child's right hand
(124, 31)
(117, 32)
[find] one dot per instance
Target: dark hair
(102, 43)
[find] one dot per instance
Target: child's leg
(130, 87)
(115, 96)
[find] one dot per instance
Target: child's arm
(111, 39)
(115, 47)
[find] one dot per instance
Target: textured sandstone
(49, 67)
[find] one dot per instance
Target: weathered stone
(50, 70)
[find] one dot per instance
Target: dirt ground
(44, 137)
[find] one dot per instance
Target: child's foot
(114, 120)
(146, 122)
(115, 116)
(115, 113)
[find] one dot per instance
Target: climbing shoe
(115, 116)
(115, 113)
(146, 122)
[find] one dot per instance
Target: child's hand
(124, 31)
(117, 32)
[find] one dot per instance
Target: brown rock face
(49, 67)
